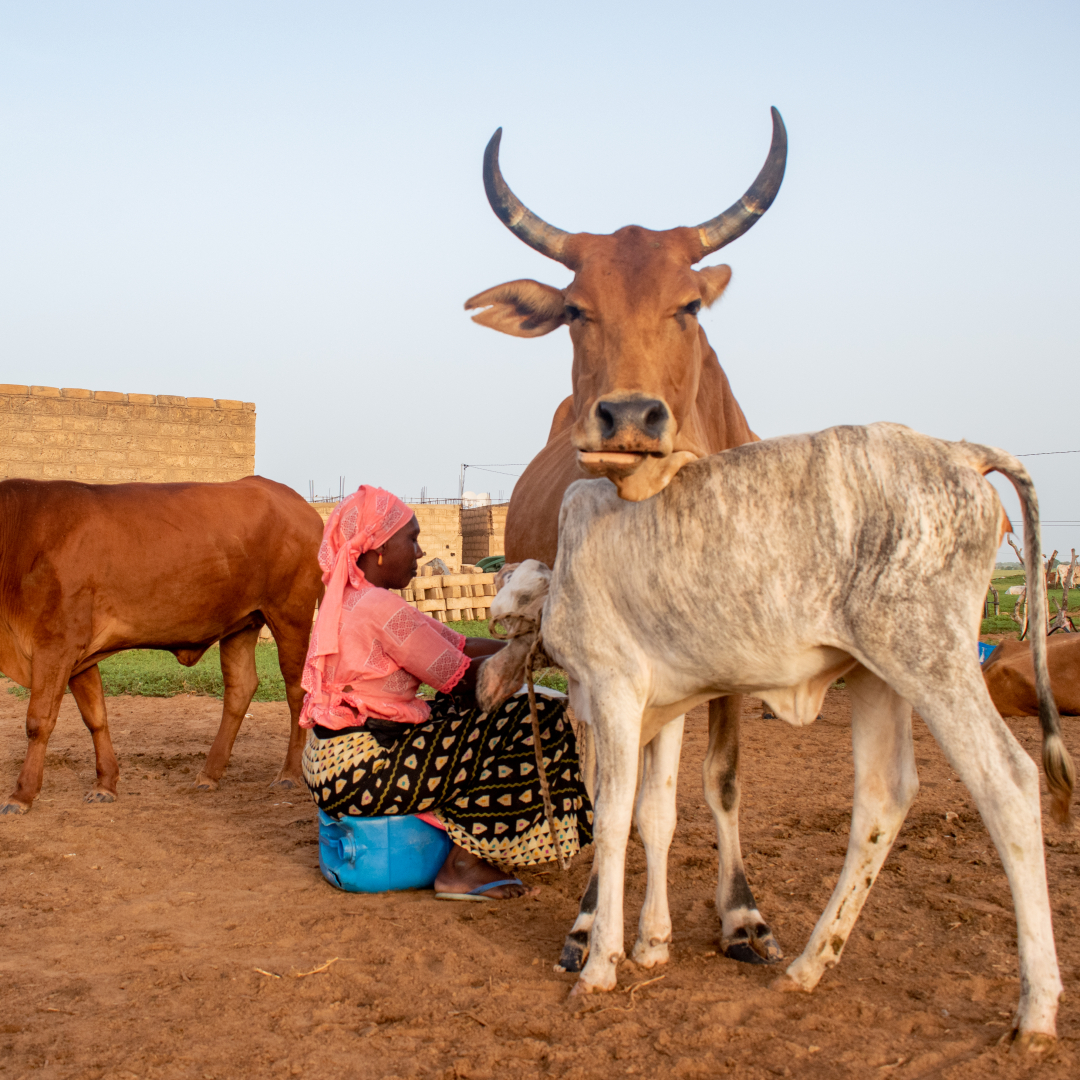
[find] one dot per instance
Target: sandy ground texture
(183, 934)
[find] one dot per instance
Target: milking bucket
(379, 854)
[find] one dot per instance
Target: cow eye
(692, 308)
(573, 313)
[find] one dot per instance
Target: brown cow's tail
(1058, 765)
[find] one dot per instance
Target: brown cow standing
(649, 396)
(88, 570)
(1009, 672)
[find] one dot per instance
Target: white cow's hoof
(785, 984)
(652, 955)
(1032, 1042)
(575, 951)
(752, 945)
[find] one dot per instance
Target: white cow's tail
(1058, 765)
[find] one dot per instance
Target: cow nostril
(607, 420)
(654, 418)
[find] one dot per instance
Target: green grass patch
(156, 673)
(1003, 623)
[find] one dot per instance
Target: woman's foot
(462, 872)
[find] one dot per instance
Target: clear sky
(281, 202)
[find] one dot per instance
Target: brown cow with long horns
(649, 396)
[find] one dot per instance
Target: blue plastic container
(380, 854)
(985, 650)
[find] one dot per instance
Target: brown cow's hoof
(285, 783)
(205, 783)
(96, 795)
(13, 807)
(1032, 1042)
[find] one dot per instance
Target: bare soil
(167, 935)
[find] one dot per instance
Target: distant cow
(656, 606)
(88, 570)
(1009, 672)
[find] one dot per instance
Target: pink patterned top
(385, 649)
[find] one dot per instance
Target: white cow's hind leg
(1004, 782)
(885, 786)
(616, 722)
(744, 934)
(575, 950)
(655, 816)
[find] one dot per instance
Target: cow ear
(521, 308)
(712, 281)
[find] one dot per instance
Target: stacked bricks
(482, 531)
(450, 597)
(103, 437)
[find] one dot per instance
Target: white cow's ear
(712, 281)
(521, 308)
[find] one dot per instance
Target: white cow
(657, 606)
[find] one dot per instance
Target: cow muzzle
(628, 440)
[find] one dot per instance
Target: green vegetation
(1003, 623)
(156, 673)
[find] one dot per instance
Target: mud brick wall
(483, 529)
(100, 436)
(455, 535)
(440, 529)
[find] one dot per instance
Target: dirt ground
(167, 935)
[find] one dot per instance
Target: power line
(1047, 453)
(495, 471)
(491, 467)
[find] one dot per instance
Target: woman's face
(400, 556)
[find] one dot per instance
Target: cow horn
(736, 219)
(513, 213)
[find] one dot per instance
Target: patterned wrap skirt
(476, 773)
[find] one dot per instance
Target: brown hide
(89, 570)
(648, 392)
(1010, 676)
(532, 520)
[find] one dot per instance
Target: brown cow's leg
(292, 643)
(744, 935)
(241, 681)
(46, 693)
(90, 697)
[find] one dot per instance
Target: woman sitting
(377, 749)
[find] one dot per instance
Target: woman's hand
(482, 646)
(477, 649)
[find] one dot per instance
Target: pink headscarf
(363, 521)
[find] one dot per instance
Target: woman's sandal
(478, 892)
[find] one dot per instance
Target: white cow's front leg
(655, 816)
(617, 730)
(885, 786)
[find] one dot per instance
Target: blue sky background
(281, 202)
